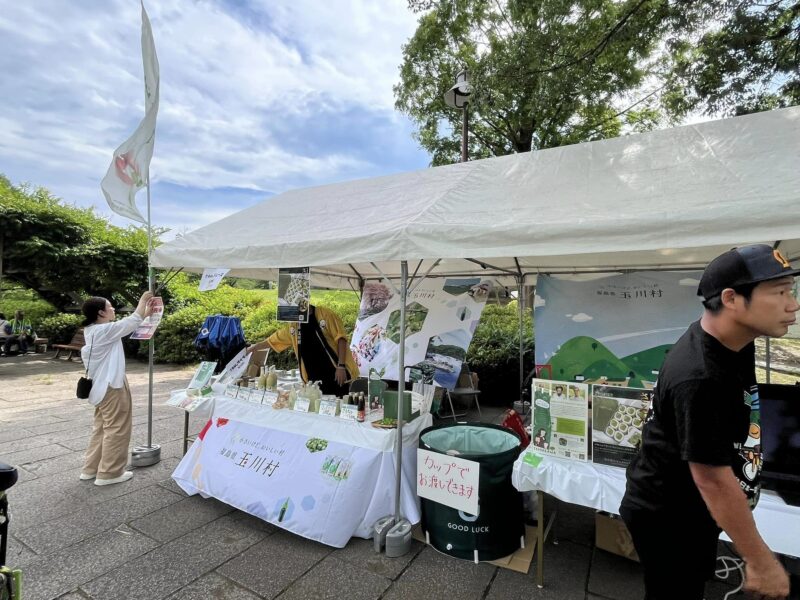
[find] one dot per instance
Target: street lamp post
(458, 97)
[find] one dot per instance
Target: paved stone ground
(146, 540)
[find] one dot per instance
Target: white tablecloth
(256, 459)
(602, 487)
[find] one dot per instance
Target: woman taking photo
(104, 359)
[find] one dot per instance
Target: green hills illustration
(584, 355)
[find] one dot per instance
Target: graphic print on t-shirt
(749, 463)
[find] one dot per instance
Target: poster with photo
(294, 294)
(148, 326)
(560, 418)
(618, 416)
(441, 317)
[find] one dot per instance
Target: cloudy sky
(257, 97)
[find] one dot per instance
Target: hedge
(493, 354)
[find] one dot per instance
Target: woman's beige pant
(107, 454)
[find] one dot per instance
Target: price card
(301, 405)
(231, 391)
(269, 398)
(349, 412)
(327, 407)
(256, 395)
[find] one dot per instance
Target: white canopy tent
(669, 199)
(666, 199)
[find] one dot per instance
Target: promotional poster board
(441, 317)
(560, 418)
(294, 294)
(148, 326)
(618, 416)
(614, 329)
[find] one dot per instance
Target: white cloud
(262, 95)
(581, 318)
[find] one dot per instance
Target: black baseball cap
(743, 266)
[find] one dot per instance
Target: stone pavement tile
(36, 453)
(361, 553)
(142, 477)
(566, 570)
(77, 421)
(17, 553)
(23, 475)
(179, 518)
(50, 575)
(331, 579)
(615, 577)
(76, 595)
(168, 568)
(574, 523)
(88, 520)
(10, 433)
(434, 575)
(213, 586)
(172, 486)
(270, 566)
(66, 462)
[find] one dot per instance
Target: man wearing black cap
(688, 480)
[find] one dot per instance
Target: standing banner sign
(441, 317)
(613, 330)
(294, 294)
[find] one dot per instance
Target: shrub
(59, 328)
(494, 353)
(14, 298)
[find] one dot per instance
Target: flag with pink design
(130, 167)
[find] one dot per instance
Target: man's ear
(728, 298)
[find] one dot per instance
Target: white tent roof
(666, 199)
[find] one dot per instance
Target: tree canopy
(556, 72)
(66, 253)
(746, 59)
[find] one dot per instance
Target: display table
(602, 487)
(321, 477)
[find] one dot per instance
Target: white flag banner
(211, 279)
(130, 167)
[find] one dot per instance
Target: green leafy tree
(740, 56)
(543, 74)
(65, 253)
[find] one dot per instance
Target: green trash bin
(498, 529)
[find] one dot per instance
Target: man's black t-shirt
(701, 413)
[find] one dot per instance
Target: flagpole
(144, 456)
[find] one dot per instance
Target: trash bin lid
(469, 440)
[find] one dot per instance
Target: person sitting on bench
(19, 331)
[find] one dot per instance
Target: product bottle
(361, 414)
(284, 508)
(262, 379)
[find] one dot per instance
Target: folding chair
(466, 387)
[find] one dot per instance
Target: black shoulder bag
(85, 382)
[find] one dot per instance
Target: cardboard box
(258, 359)
(612, 536)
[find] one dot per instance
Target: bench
(38, 345)
(75, 344)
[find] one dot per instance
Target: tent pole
(520, 309)
(401, 380)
